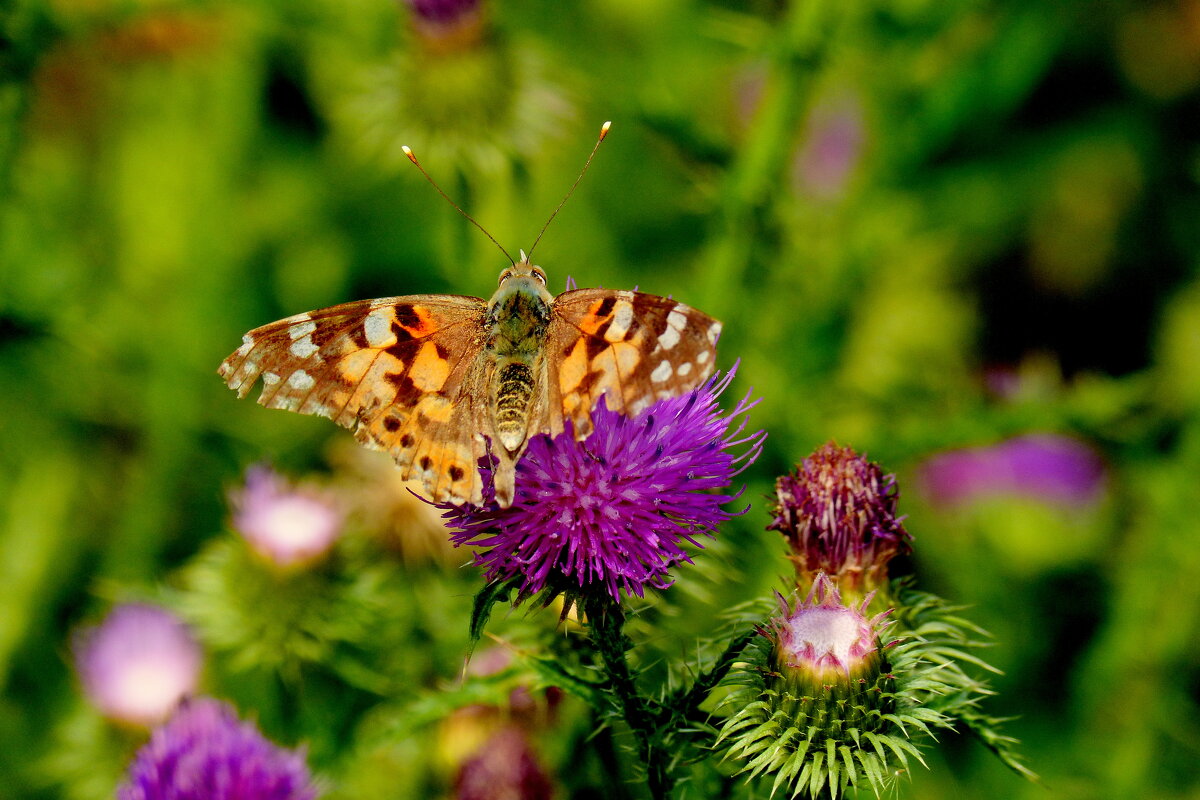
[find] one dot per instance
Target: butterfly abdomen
(513, 394)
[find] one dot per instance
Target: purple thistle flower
(286, 525)
(1055, 469)
(613, 509)
(204, 752)
(838, 513)
(138, 664)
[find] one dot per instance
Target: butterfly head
(522, 283)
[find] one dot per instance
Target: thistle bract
(611, 512)
(838, 514)
(824, 703)
(206, 753)
(138, 664)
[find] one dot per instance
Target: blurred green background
(925, 225)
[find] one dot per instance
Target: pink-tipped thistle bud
(838, 514)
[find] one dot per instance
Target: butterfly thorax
(518, 320)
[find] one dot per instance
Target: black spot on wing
(407, 316)
(595, 346)
(606, 306)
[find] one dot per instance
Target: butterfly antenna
(603, 132)
(470, 219)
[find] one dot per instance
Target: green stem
(606, 620)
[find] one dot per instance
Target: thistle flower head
(138, 664)
(287, 525)
(611, 512)
(204, 752)
(825, 641)
(838, 514)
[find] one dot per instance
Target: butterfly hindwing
(400, 371)
(635, 348)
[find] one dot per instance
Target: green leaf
(488, 596)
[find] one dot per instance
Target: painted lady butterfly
(430, 378)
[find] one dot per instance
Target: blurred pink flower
(286, 524)
(1048, 467)
(138, 664)
(831, 148)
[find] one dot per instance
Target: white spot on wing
(622, 319)
(703, 357)
(301, 330)
(669, 337)
(247, 344)
(683, 370)
(270, 378)
(378, 328)
(714, 332)
(662, 372)
(303, 348)
(301, 380)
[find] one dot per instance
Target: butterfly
(441, 381)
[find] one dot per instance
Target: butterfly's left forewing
(632, 347)
(401, 372)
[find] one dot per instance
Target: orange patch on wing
(573, 368)
(354, 366)
(429, 370)
(435, 408)
(592, 322)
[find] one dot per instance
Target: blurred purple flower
(833, 142)
(612, 510)
(504, 768)
(1049, 467)
(138, 664)
(838, 513)
(287, 525)
(206, 753)
(442, 11)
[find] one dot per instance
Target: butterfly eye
(505, 275)
(540, 275)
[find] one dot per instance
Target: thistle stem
(606, 620)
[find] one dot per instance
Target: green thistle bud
(825, 703)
